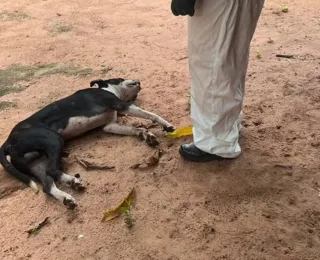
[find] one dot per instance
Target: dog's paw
(169, 129)
(149, 137)
(151, 140)
(76, 183)
(70, 202)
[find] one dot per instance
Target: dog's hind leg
(32, 156)
(142, 133)
(62, 196)
(20, 163)
(54, 153)
(50, 188)
(40, 165)
(73, 181)
(21, 171)
(53, 148)
(38, 168)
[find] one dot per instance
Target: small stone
(257, 122)
(80, 236)
(292, 201)
(266, 216)
(170, 145)
(310, 231)
(286, 251)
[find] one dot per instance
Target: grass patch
(61, 28)
(17, 73)
(105, 70)
(7, 105)
(15, 16)
(8, 90)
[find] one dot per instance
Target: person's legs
(220, 33)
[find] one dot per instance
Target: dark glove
(183, 7)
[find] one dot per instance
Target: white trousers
(219, 36)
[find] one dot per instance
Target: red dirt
(263, 205)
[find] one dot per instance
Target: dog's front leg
(138, 112)
(142, 133)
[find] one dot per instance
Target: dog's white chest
(82, 124)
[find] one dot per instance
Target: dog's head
(125, 89)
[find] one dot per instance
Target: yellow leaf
(116, 212)
(180, 132)
(285, 9)
(258, 55)
(111, 214)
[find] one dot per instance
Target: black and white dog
(35, 145)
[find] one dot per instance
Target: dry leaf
(151, 161)
(34, 231)
(124, 205)
(91, 166)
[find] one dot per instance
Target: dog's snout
(137, 82)
(134, 83)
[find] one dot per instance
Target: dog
(36, 144)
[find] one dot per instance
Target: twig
(151, 161)
(183, 58)
(90, 166)
(282, 166)
(285, 56)
(34, 231)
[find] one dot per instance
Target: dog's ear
(99, 82)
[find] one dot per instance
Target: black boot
(191, 153)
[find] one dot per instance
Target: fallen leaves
(88, 165)
(183, 131)
(91, 166)
(36, 230)
(270, 41)
(285, 9)
(285, 56)
(258, 55)
(123, 208)
(151, 161)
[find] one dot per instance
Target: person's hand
(183, 7)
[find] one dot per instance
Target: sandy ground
(264, 205)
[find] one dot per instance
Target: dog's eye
(134, 83)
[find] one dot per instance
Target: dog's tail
(4, 151)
